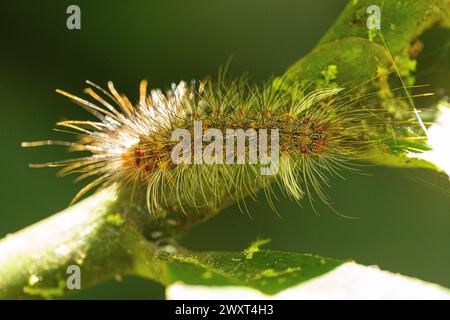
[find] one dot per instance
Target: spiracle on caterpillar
(321, 131)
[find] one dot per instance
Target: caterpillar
(320, 132)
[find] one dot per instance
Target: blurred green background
(404, 223)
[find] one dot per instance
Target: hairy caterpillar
(321, 132)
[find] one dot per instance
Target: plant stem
(91, 235)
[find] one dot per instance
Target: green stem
(34, 261)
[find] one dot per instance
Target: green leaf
(348, 281)
(267, 271)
